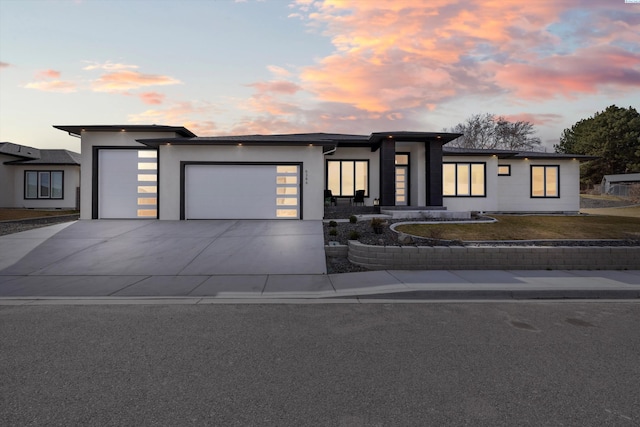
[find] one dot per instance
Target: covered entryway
(241, 191)
(127, 185)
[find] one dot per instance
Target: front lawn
(532, 227)
(16, 214)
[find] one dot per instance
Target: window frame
(504, 166)
(470, 181)
(544, 167)
(354, 161)
(38, 174)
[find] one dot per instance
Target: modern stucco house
(167, 172)
(38, 178)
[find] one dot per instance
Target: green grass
(533, 227)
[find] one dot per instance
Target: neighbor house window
(504, 170)
(43, 184)
(344, 177)
(463, 179)
(545, 181)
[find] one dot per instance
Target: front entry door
(402, 181)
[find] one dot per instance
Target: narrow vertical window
(56, 185)
(31, 185)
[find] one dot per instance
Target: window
(463, 179)
(43, 184)
(545, 181)
(504, 170)
(344, 177)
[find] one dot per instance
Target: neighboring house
(166, 172)
(619, 184)
(41, 179)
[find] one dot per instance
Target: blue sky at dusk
(287, 66)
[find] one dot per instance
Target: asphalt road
(493, 364)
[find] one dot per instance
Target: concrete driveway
(166, 248)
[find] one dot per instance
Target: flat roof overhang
(376, 138)
(78, 129)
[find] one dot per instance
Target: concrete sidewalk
(21, 281)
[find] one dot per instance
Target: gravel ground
(10, 227)
(589, 203)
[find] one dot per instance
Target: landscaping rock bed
(16, 226)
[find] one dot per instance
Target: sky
(230, 67)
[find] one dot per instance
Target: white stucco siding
(490, 200)
(515, 190)
(71, 181)
(349, 153)
(6, 182)
(309, 158)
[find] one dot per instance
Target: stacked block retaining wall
(494, 258)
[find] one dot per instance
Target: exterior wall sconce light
(376, 202)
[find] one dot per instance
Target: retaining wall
(494, 258)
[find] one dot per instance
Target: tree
(613, 135)
(488, 131)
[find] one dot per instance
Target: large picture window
(464, 179)
(545, 181)
(344, 177)
(43, 184)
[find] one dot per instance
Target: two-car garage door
(241, 191)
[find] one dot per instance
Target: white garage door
(127, 184)
(246, 191)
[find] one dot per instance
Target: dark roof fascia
(234, 141)
(550, 156)
(30, 163)
(376, 138)
(77, 129)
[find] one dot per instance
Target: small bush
(333, 224)
(354, 235)
(333, 232)
(353, 219)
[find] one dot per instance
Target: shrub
(333, 232)
(353, 219)
(377, 222)
(333, 224)
(354, 235)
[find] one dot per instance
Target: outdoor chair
(329, 199)
(359, 197)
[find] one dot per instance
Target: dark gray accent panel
(388, 172)
(433, 162)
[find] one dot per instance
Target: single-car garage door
(241, 191)
(127, 183)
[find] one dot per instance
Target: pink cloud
(126, 80)
(536, 119)
(585, 72)
(48, 74)
(410, 54)
(152, 98)
(279, 86)
(192, 114)
(109, 66)
(4, 65)
(52, 86)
